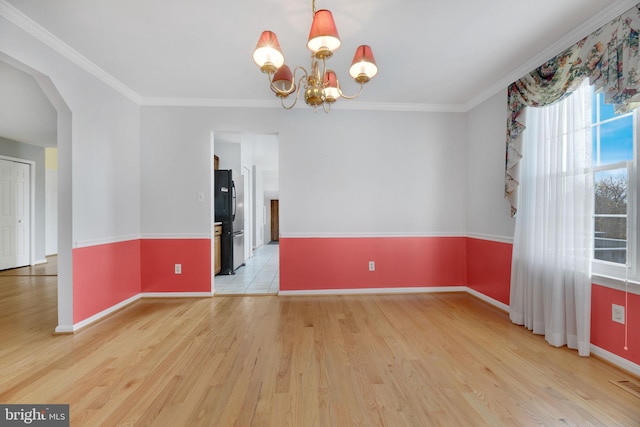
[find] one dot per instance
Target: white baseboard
(64, 329)
(374, 291)
(176, 294)
(621, 362)
(68, 329)
(102, 314)
(487, 299)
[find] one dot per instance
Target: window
(613, 160)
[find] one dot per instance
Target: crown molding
(606, 15)
(22, 21)
(262, 103)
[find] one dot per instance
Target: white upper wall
(346, 173)
(488, 212)
(373, 173)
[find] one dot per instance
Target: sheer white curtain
(553, 240)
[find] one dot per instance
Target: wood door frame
(32, 203)
(275, 220)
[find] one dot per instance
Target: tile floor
(259, 275)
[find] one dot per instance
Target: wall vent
(632, 387)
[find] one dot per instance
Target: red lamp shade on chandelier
(268, 54)
(323, 36)
(363, 67)
(331, 86)
(283, 81)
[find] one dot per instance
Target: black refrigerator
(229, 209)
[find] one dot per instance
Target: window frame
(628, 271)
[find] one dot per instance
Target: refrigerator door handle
(235, 201)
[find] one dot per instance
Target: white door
(14, 214)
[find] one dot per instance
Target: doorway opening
(253, 160)
(48, 118)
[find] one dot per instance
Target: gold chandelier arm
(280, 93)
(295, 98)
(352, 96)
(285, 93)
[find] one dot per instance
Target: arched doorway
(64, 132)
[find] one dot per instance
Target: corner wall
(99, 159)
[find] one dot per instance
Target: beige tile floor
(259, 275)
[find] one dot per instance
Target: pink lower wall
(610, 335)
(158, 259)
(106, 275)
(489, 268)
(103, 276)
(342, 263)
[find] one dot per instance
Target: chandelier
(321, 85)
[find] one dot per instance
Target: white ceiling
(431, 54)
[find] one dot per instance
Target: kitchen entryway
(259, 275)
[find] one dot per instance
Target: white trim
(615, 283)
(262, 103)
(347, 235)
(119, 239)
(176, 236)
(208, 102)
(176, 294)
(307, 235)
(621, 362)
(64, 329)
(375, 291)
(98, 316)
(487, 299)
(40, 261)
(105, 241)
(491, 237)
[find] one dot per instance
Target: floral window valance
(609, 57)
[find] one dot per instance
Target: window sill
(616, 283)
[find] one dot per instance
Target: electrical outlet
(178, 269)
(372, 266)
(617, 313)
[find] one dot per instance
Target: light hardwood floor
(395, 360)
